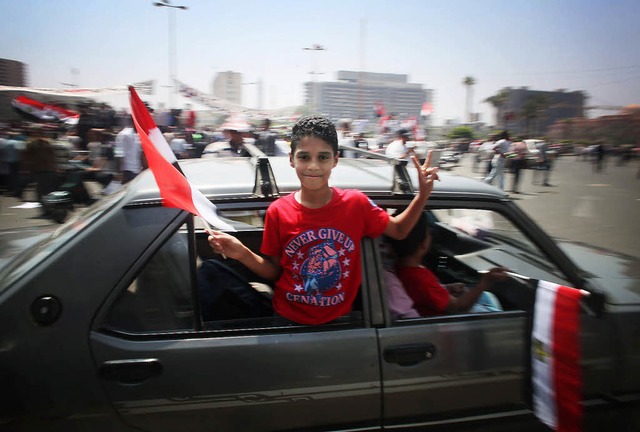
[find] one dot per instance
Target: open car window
(171, 293)
(465, 243)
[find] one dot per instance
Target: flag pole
(209, 229)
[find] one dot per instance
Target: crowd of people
(501, 155)
(103, 148)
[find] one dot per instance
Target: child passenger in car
(429, 296)
(311, 239)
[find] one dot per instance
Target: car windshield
(20, 255)
(491, 227)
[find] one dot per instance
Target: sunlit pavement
(582, 204)
(26, 212)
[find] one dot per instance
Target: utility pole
(172, 45)
(314, 90)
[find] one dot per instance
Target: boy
(429, 296)
(311, 239)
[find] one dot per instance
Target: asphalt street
(598, 208)
(584, 205)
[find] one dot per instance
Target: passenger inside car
(399, 303)
(430, 297)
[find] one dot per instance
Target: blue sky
(588, 45)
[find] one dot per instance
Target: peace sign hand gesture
(426, 174)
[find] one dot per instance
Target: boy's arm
(399, 226)
(229, 246)
(464, 302)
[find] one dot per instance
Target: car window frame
(520, 220)
(269, 325)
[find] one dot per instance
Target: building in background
(228, 86)
(13, 73)
(620, 129)
(357, 94)
(531, 112)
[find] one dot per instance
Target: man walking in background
(500, 150)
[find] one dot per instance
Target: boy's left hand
(427, 174)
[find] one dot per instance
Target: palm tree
(498, 101)
(469, 82)
(534, 109)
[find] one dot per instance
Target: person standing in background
(498, 161)
(398, 148)
(190, 118)
(518, 151)
(266, 138)
(544, 164)
(129, 152)
(40, 162)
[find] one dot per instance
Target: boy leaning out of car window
(311, 238)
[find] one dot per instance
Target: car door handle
(409, 355)
(133, 371)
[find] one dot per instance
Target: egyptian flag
(426, 110)
(44, 112)
(175, 189)
(555, 357)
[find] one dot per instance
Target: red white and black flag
(40, 111)
(175, 189)
(555, 357)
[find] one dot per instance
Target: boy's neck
(314, 199)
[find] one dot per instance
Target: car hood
(617, 275)
(15, 242)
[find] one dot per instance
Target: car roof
(233, 178)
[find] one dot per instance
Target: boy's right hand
(495, 274)
(225, 244)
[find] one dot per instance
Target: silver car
(124, 319)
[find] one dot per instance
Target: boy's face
(313, 161)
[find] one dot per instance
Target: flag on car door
(175, 189)
(555, 357)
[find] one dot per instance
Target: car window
(21, 255)
(230, 298)
(464, 243)
(485, 225)
(160, 297)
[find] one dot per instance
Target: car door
(163, 372)
(285, 381)
(455, 369)
(461, 369)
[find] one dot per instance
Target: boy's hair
(314, 126)
(410, 244)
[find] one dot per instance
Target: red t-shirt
(319, 252)
(428, 295)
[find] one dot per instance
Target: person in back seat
(311, 240)
(429, 296)
(399, 303)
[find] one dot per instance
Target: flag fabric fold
(175, 189)
(44, 112)
(555, 357)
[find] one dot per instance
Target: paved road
(16, 213)
(599, 208)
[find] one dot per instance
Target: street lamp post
(314, 47)
(172, 45)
